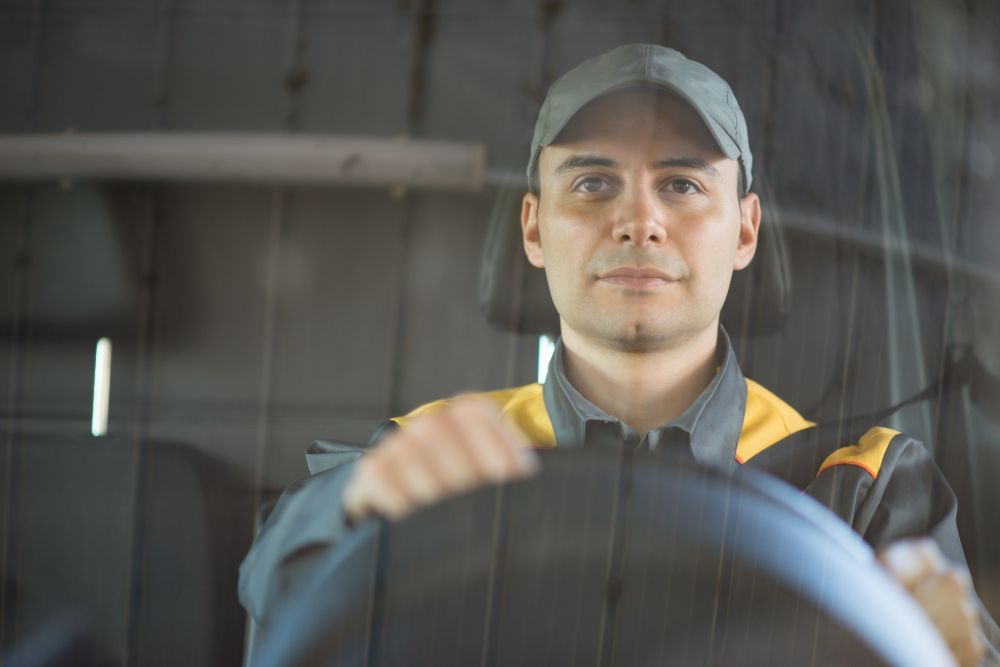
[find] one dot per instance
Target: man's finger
(524, 454)
(440, 454)
(943, 590)
(442, 450)
(372, 491)
(500, 454)
(386, 495)
(912, 561)
(412, 476)
(945, 598)
(972, 652)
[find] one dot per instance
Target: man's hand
(455, 449)
(943, 590)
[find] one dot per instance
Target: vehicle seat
(142, 545)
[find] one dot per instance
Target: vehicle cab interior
(232, 229)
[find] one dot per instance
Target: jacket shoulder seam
(868, 454)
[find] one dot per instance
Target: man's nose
(641, 218)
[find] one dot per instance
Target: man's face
(639, 224)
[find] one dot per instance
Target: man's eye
(682, 186)
(592, 185)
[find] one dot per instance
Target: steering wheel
(607, 558)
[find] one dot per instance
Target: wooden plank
(245, 158)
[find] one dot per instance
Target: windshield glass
(246, 226)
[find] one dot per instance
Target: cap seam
(548, 113)
(732, 113)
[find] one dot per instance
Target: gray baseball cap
(646, 64)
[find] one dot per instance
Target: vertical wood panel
(98, 68)
(19, 33)
(354, 71)
(227, 70)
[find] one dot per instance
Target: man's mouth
(638, 278)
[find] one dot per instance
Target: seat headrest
(514, 295)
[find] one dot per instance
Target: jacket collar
(710, 427)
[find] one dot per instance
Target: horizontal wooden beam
(291, 159)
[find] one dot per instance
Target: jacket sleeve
(307, 522)
(910, 497)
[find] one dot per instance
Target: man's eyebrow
(582, 161)
(587, 160)
(689, 162)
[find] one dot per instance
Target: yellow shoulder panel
(523, 406)
(867, 454)
(767, 420)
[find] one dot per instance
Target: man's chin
(642, 338)
(638, 331)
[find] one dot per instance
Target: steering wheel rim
(606, 557)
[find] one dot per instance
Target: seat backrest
(143, 542)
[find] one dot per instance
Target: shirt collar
(710, 426)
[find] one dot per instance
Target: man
(639, 211)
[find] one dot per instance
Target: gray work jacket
(881, 482)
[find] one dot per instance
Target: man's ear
(529, 230)
(749, 229)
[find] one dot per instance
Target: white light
(546, 346)
(102, 387)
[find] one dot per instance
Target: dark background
(250, 320)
